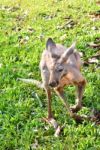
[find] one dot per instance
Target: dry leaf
(93, 60)
(94, 45)
(95, 116)
(69, 24)
(98, 2)
(95, 15)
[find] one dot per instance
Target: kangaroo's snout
(53, 83)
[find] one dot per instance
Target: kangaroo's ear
(50, 44)
(68, 52)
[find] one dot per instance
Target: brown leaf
(95, 15)
(67, 17)
(69, 24)
(98, 2)
(30, 30)
(95, 116)
(93, 60)
(94, 45)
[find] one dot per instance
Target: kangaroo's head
(57, 61)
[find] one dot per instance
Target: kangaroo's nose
(53, 83)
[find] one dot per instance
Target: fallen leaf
(48, 17)
(95, 116)
(95, 15)
(67, 17)
(15, 8)
(94, 45)
(93, 60)
(69, 24)
(30, 30)
(8, 8)
(98, 2)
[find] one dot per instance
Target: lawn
(25, 25)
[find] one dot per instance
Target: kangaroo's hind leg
(60, 93)
(79, 89)
(79, 81)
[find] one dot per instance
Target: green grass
(20, 51)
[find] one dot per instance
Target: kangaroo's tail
(32, 81)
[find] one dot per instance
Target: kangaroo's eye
(60, 69)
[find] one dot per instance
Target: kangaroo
(60, 67)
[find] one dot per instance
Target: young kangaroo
(60, 66)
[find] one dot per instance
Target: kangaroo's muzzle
(53, 84)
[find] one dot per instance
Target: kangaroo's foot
(76, 108)
(53, 122)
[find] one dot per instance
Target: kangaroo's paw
(75, 108)
(53, 122)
